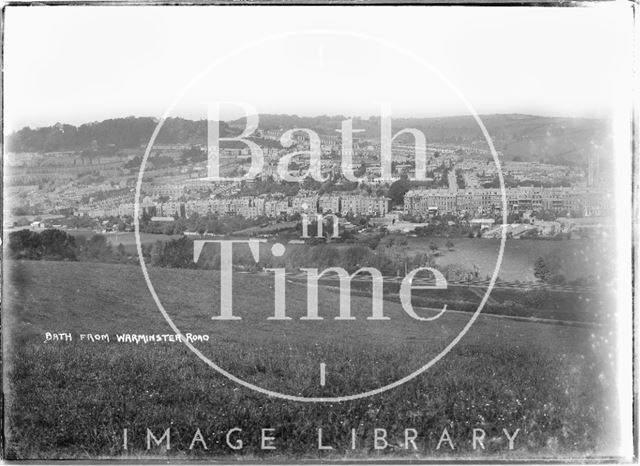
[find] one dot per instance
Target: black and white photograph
(315, 233)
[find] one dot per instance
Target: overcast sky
(81, 64)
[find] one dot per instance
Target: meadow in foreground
(73, 399)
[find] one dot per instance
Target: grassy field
(72, 399)
(573, 258)
(576, 258)
(128, 239)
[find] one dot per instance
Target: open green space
(72, 399)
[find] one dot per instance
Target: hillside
(114, 298)
(117, 133)
(520, 137)
(549, 381)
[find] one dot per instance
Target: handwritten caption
(135, 338)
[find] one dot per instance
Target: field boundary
(538, 320)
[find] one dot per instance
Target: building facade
(587, 201)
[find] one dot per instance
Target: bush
(177, 253)
(98, 248)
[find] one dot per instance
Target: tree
(99, 248)
(397, 190)
(51, 244)
(24, 244)
(58, 245)
(541, 270)
(175, 253)
(450, 245)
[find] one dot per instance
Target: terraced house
(585, 201)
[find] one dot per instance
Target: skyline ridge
(320, 115)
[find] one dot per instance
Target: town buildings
(474, 201)
(267, 205)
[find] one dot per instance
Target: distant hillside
(520, 137)
(527, 137)
(118, 133)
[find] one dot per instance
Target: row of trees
(390, 255)
(55, 244)
(50, 244)
(117, 133)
